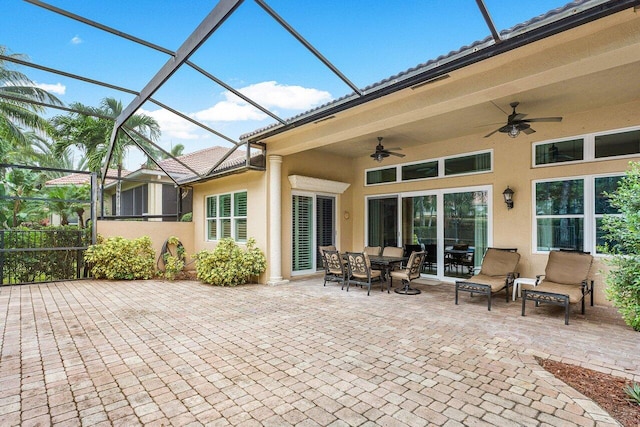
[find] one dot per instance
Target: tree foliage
(623, 242)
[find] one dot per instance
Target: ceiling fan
(381, 153)
(517, 123)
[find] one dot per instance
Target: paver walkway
(183, 353)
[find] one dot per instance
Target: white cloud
(228, 111)
(173, 126)
(76, 40)
(270, 95)
(57, 88)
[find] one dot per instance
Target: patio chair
(392, 251)
(565, 281)
(372, 250)
(411, 272)
(431, 260)
(360, 272)
(335, 268)
(497, 272)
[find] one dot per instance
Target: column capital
(275, 158)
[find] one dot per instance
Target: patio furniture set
(565, 281)
(373, 265)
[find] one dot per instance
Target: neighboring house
(323, 186)
(152, 191)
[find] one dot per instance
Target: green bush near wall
(118, 258)
(230, 265)
(623, 242)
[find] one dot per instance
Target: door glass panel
(420, 226)
(325, 220)
(302, 227)
(465, 231)
(383, 222)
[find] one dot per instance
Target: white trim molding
(307, 183)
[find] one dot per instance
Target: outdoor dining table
(386, 264)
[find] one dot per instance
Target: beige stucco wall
(322, 166)
(159, 232)
(512, 167)
(255, 183)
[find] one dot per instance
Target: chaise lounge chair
(497, 272)
(565, 281)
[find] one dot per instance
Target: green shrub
(633, 391)
(228, 264)
(120, 258)
(188, 217)
(623, 242)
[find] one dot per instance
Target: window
(227, 216)
(617, 144)
(379, 176)
(603, 185)
(569, 212)
(433, 168)
(560, 215)
(467, 164)
(590, 147)
(420, 170)
(558, 152)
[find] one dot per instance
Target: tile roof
(474, 48)
(203, 160)
(82, 178)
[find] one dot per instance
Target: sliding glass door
(382, 221)
(420, 226)
(452, 225)
(313, 225)
(465, 231)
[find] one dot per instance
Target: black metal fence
(51, 254)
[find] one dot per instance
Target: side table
(518, 282)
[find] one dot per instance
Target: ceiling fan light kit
(381, 153)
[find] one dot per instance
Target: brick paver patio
(183, 353)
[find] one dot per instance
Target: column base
(275, 281)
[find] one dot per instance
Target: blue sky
(367, 40)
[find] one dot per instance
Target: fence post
(1, 257)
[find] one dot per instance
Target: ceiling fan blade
(518, 116)
(393, 149)
(528, 131)
(395, 154)
(489, 134)
(544, 119)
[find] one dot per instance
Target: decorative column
(275, 221)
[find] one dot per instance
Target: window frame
(589, 148)
(219, 219)
(441, 168)
(589, 216)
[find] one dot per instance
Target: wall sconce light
(508, 197)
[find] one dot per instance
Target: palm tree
(17, 115)
(89, 129)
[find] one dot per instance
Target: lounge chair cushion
(574, 291)
(497, 262)
(569, 268)
(496, 282)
